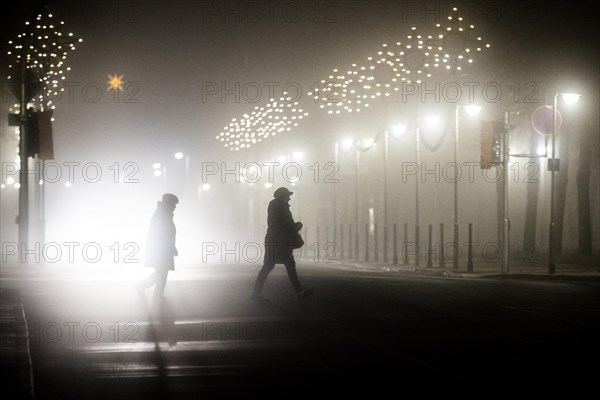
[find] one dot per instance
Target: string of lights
(450, 47)
(277, 116)
(413, 60)
(43, 47)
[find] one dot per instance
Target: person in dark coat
(281, 232)
(160, 246)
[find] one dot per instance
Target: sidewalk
(568, 268)
(15, 362)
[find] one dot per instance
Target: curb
(590, 275)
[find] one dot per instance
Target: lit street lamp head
(570, 98)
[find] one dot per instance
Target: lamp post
(505, 220)
(385, 208)
(336, 158)
(346, 145)
(397, 130)
(431, 120)
(553, 166)
(23, 158)
(357, 146)
(471, 109)
(356, 213)
(455, 235)
(417, 229)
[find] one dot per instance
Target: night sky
(167, 50)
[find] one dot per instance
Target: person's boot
(305, 293)
(258, 298)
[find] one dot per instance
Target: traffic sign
(541, 120)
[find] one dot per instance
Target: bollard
(442, 260)
(385, 242)
(455, 256)
(470, 261)
(349, 240)
(341, 241)
(318, 235)
(405, 251)
(335, 238)
(305, 236)
(417, 245)
(375, 245)
(395, 259)
(356, 244)
(318, 255)
(429, 244)
(366, 242)
(325, 245)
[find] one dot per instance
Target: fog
(190, 68)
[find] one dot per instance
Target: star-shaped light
(115, 82)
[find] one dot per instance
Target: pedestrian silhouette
(281, 239)
(160, 247)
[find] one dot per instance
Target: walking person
(279, 244)
(160, 247)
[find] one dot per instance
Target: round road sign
(541, 120)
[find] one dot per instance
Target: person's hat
(170, 198)
(282, 193)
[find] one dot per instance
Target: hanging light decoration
(43, 47)
(450, 47)
(278, 116)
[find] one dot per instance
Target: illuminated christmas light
(43, 48)
(447, 48)
(278, 116)
(414, 60)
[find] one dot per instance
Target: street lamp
(336, 162)
(505, 220)
(357, 146)
(346, 145)
(417, 228)
(472, 110)
(356, 212)
(397, 131)
(431, 121)
(360, 145)
(385, 213)
(553, 166)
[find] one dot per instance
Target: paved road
(93, 338)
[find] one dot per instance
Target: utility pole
(505, 221)
(23, 217)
